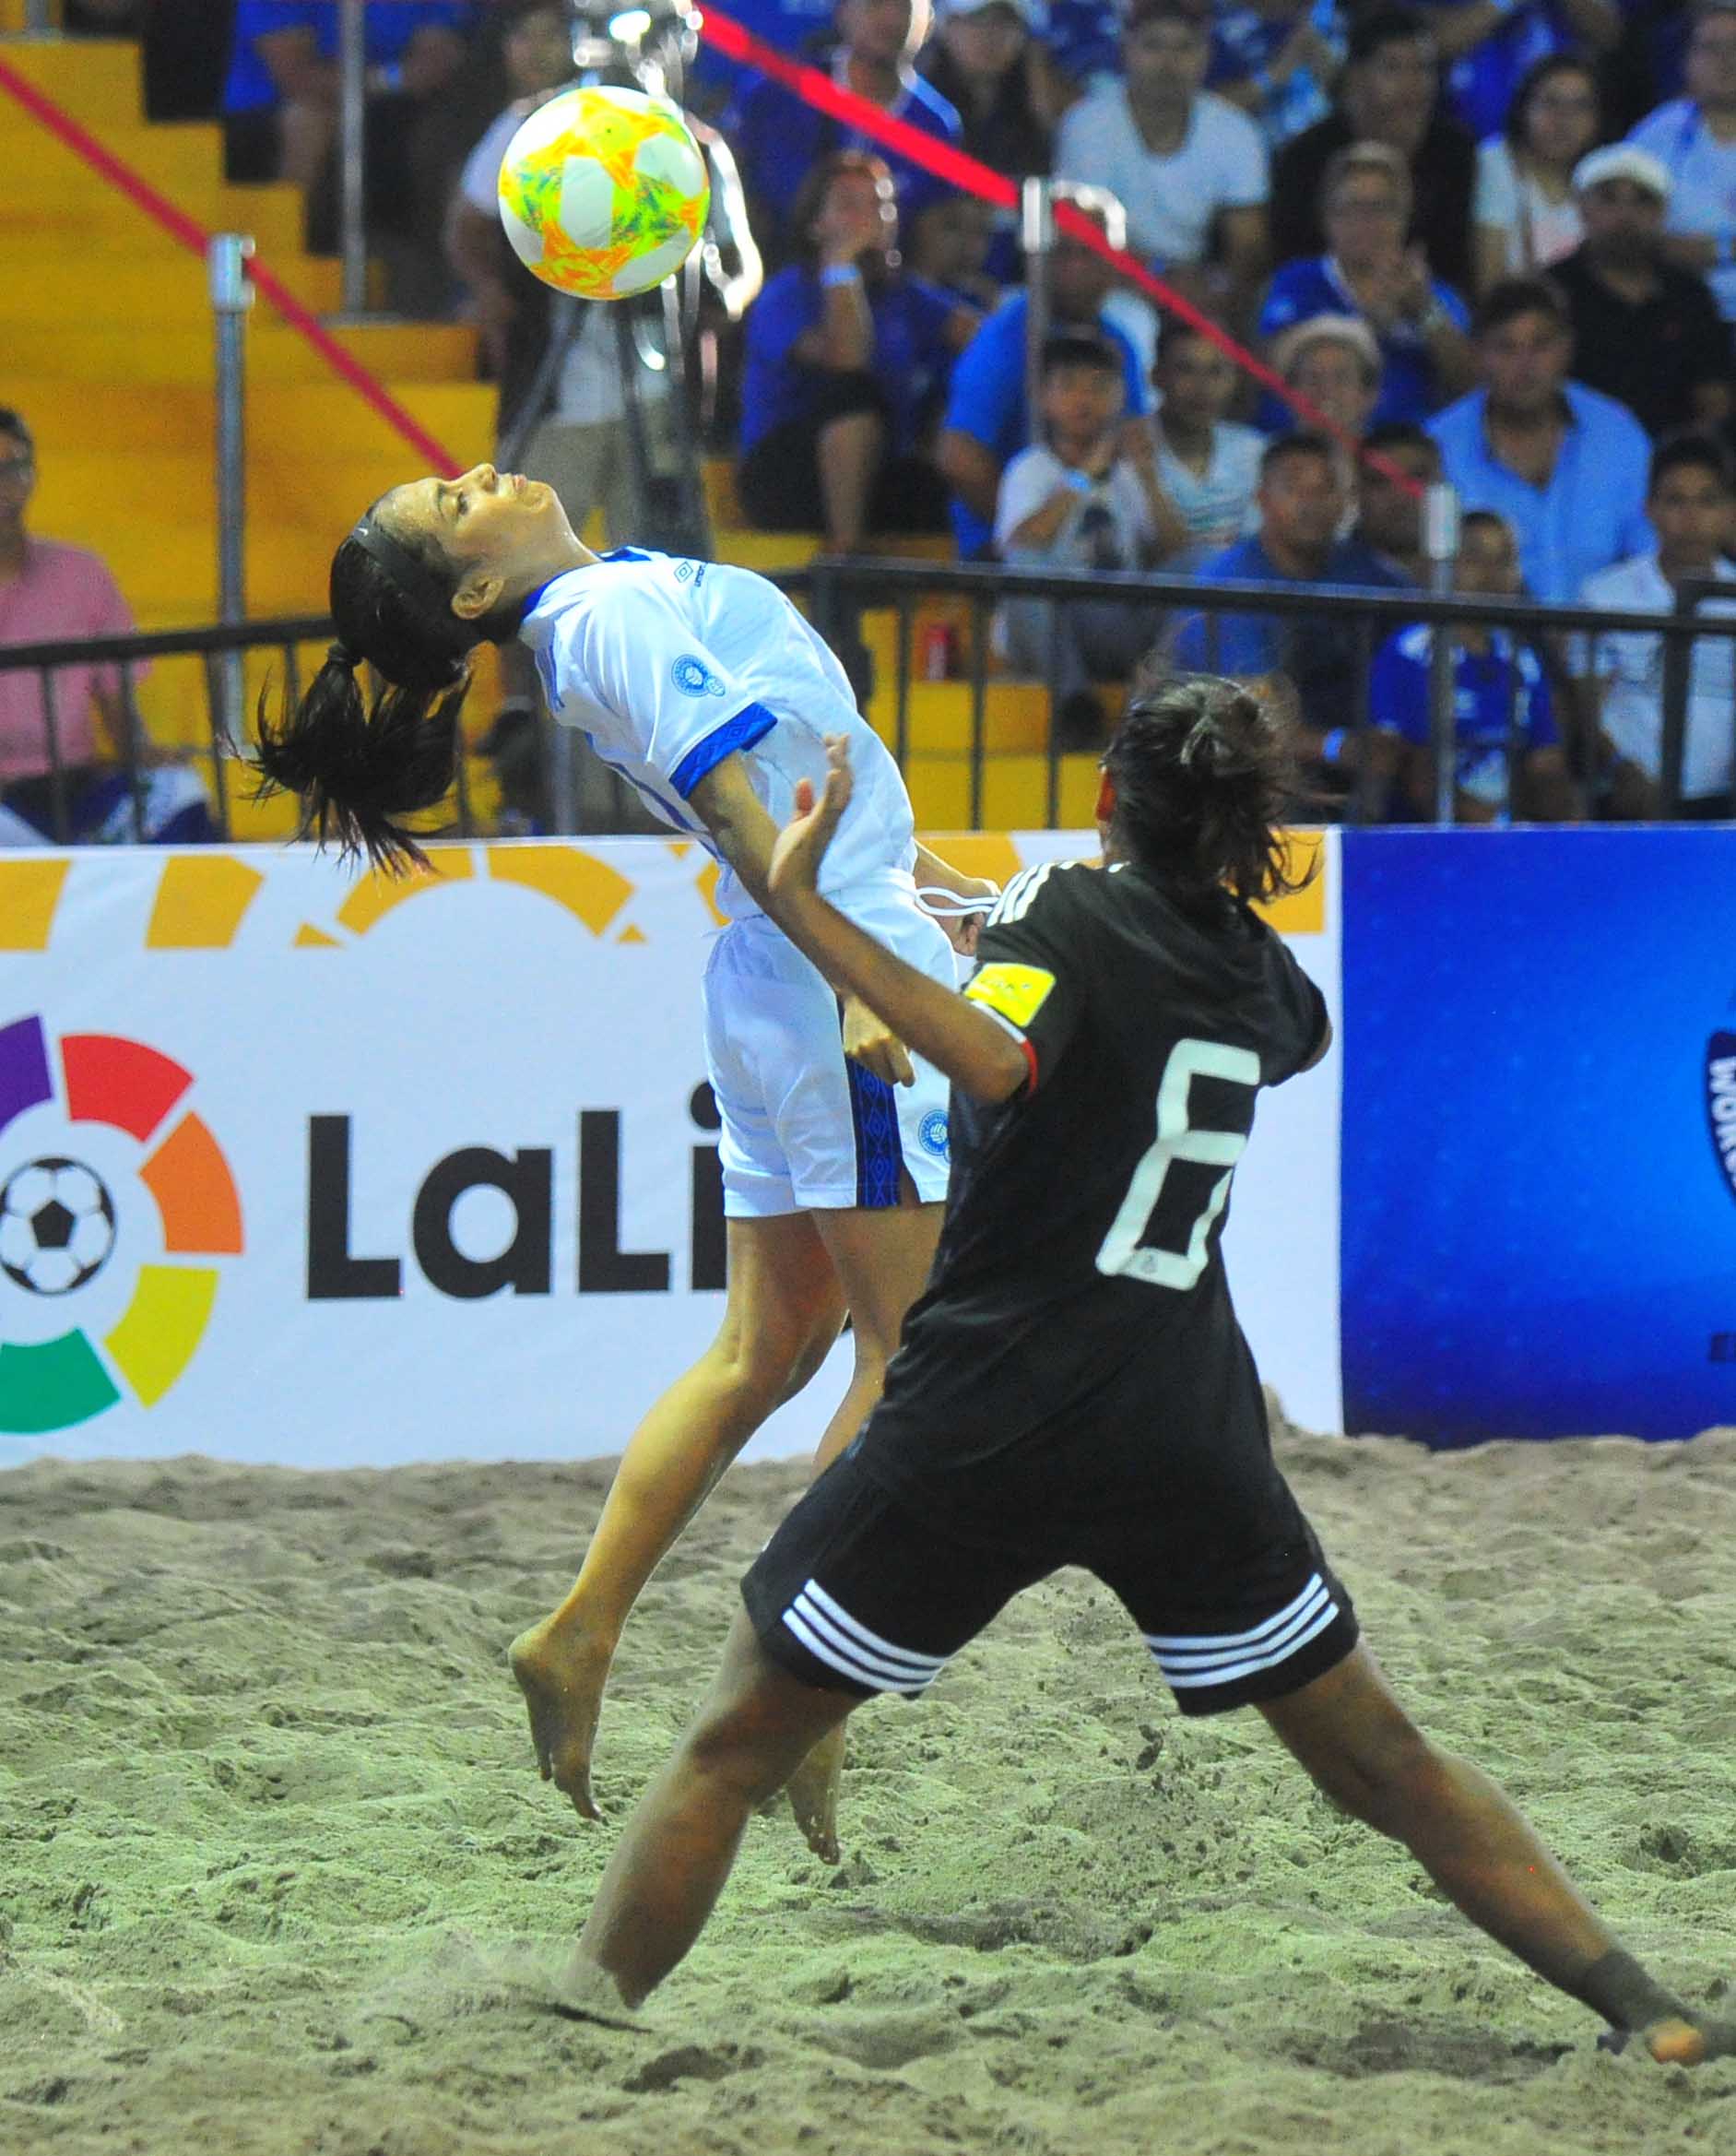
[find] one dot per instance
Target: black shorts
(858, 1593)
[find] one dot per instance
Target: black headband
(413, 578)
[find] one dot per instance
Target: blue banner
(1539, 1139)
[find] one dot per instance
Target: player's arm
(933, 873)
(974, 1050)
(726, 803)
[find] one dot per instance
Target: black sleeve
(1302, 1017)
(1708, 355)
(1295, 226)
(1032, 964)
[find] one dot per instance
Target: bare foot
(1680, 2042)
(813, 1795)
(561, 1674)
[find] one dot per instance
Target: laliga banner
(300, 1170)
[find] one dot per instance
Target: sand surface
(271, 1842)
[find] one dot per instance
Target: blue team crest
(933, 1135)
(692, 676)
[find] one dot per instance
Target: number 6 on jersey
(1124, 1247)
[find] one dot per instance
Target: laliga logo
(61, 1224)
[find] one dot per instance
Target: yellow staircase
(107, 347)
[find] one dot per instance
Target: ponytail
(1205, 775)
(360, 768)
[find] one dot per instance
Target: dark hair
(1687, 451)
(1402, 434)
(1081, 347)
(1205, 774)
(1518, 296)
(1490, 518)
(359, 768)
(1144, 11)
(12, 423)
(1533, 80)
(814, 189)
(1303, 441)
(1374, 32)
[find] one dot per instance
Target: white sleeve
(1497, 201)
(1025, 486)
(1247, 171)
(672, 703)
(479, 183)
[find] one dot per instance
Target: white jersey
(669, 665)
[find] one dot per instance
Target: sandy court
(274, 1848)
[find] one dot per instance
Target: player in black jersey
(1073, 1387)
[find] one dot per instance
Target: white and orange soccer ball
(604, 192)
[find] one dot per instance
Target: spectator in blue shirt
(846, 359)
(987, 421)
(778, 139)
(1566, 466)
(1277, 59)
(1301, 505)
(282, 88)
(1501, 700)
(1487, 46)
(1368, 271)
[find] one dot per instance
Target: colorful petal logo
(58, 1225)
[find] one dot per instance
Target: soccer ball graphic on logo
(56, 1226)
(604, 192)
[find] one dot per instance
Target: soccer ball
(56, 1226)
(604, 192)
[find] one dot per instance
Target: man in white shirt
(1207, 465)
(1190, 168)
(1689, 502)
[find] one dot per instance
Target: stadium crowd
(1492, 241)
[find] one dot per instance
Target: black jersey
(1079, 1282)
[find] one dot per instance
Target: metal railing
(838, 593)
(840, 590)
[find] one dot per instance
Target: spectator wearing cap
(1389, 92)
(1694, 138)
(1188, 168)
(1277, 59)
(1688, 500)
(1368, 271)
(988, 418)
(1332, 364)
(1487, 45)
(1644, 331)
(1564, 463)
(778, 139)
(51, 592)
(988, 65)
(1526, 212)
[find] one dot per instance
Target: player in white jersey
(706, 688)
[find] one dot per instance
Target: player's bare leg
(849, 452)
(784, 1309)
(1348, 1729)
(676, 1852)
(882, 1258)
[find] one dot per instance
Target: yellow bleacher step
(185, 352)
(56, 286)
(1015, 715)
(324, 418)
(1015, 792)
(40, 168)
(270, 216)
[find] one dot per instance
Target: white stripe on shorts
(1223, 1658)
(828, 1631)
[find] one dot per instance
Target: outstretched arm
(974, 1050)
(735, 817)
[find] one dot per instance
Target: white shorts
(804, 1127)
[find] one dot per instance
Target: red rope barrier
(191, 235)
(817, 89)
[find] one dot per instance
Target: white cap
(1623, 160)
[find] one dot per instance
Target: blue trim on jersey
(626, 554)
(751, 724)
(879, 1151)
